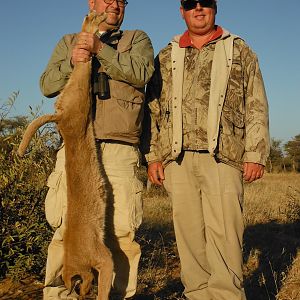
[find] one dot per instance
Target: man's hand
(253, 171)
(156, 173)
(87, 45)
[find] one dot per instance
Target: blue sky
(30, 30)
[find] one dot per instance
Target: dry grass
(271, 242)
(272, 237)
(291, 287)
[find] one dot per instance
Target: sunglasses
(121, 3)
(192, 4)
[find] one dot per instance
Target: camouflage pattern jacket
(237, 113)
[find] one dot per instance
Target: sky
(30, 30)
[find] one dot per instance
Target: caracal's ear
(84, 23)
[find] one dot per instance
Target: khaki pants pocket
(136, 204)
(54, 201)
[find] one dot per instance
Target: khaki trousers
(207, 214)
(124, 217)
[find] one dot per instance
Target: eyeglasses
(121, 3)
(192, 4)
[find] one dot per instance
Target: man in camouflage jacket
(206, 128)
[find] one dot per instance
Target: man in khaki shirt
(124, 59)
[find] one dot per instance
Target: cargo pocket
(136, 204)
(232, 135)
(54, 201)
(125, 106)
(233, 122)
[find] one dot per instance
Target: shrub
(25, 233)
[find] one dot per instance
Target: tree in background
(276, 159)
(292, 148)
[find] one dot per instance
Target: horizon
(30, 38)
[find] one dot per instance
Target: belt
(110, 141)
(197, 151)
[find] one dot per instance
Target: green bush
(25, 233)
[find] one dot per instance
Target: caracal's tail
(31, 130)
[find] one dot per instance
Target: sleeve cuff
(255, 157)
(152, 158)
(106, 53)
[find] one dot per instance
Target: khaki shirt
(129, 70)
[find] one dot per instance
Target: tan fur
(84, 247)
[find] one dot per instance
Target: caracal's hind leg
(105, 270)
(86, 283)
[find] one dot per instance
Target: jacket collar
(111, 37)
(221, 33)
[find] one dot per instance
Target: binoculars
(101, 86)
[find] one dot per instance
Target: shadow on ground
(276, 246)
